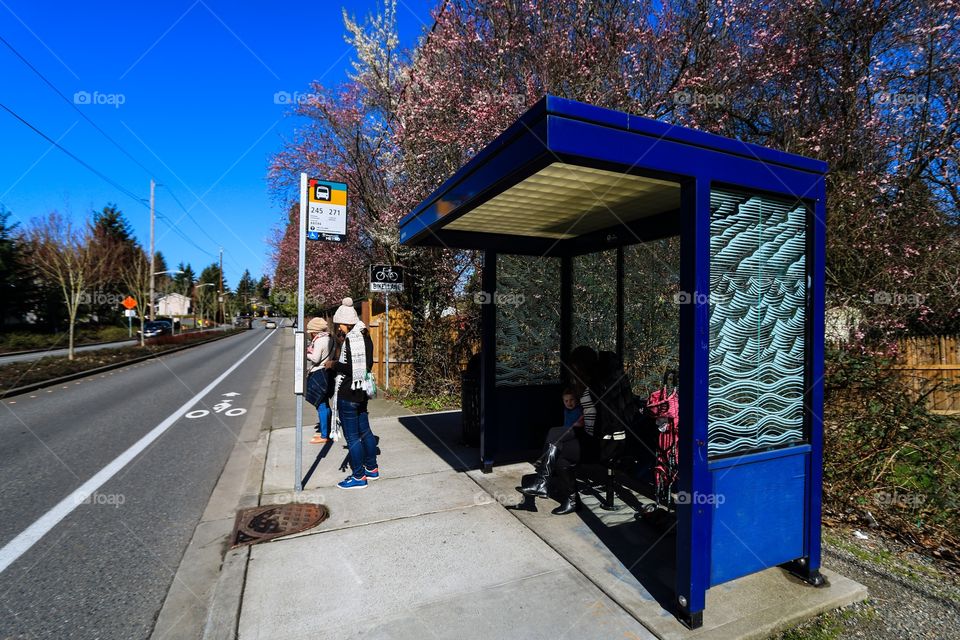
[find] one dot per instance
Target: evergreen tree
(18, 290)
(208, 297)
(112, 236)
(246, 291)
(183, 281)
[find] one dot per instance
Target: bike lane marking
(22, 543)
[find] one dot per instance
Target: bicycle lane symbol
(225, 406)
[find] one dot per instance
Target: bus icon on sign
(322, 192)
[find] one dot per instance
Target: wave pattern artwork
(757, 322)
(528, 320)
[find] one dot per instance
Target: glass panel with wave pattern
(528, 320)
(594, 305)
(757, 322)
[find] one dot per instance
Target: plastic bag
(370, 385)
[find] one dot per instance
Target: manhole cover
(272, 521)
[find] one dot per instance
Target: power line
(100, 175)
(74, 106)
(197, 224)
(182, 235)
(116, 185)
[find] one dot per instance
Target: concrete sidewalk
(429, 550)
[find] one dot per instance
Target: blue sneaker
(353, 483)
(371, 474)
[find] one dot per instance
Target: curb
(223, 614)
(222, 606)
(33, 386)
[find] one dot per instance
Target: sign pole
(299, 336)
(386, 279)
(129, 326)
(386, 360)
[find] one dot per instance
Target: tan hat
(316, 325)
(345, 313)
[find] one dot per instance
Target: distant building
(173, 304)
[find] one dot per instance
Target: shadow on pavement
(441, 432)
(645, 544)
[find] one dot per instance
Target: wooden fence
(931, 368)
(401, 360)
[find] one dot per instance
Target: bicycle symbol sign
(386, 278)
(225, 406)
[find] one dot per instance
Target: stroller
(663, 408)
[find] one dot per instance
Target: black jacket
(347, 392)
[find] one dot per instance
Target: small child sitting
(572, 411)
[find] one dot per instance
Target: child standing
(319, 351)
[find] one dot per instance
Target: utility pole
(223, 315)
(152, 252)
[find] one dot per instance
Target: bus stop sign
(326, 210)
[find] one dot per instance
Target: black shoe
(538, 489)
(541, 482)
(569, 505)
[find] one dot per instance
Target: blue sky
(187, 88)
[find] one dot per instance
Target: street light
(197, 285)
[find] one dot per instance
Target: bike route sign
(385, 278)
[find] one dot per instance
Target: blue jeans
(360, 440)
(324, 413)
(316, 394)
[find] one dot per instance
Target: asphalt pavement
(104, 569)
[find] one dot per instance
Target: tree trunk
(73, 324)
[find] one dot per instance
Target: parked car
(270, 324)
(156, 328)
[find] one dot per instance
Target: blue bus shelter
(676, 249)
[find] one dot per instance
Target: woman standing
(319, 351)
(351, 366)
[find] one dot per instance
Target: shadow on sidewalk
(324, 450)
(645, 546)
(441, 432)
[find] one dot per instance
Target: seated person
(588, 437)
(572, 409)
(555, 468)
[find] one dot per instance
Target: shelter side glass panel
(528, 399)
(759, 461)
(651, 301)
(594, 307)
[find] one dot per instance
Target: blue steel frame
(560, 130)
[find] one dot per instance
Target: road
(104, 569)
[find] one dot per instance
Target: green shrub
(888, 460)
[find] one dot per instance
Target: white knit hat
(345, 313)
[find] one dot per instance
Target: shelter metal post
(620, 313)
(488, 361)
(808, 567)
(694, 515)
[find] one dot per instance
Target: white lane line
(32, 534)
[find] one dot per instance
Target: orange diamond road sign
(129, 302)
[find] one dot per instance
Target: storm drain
(259, 524)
